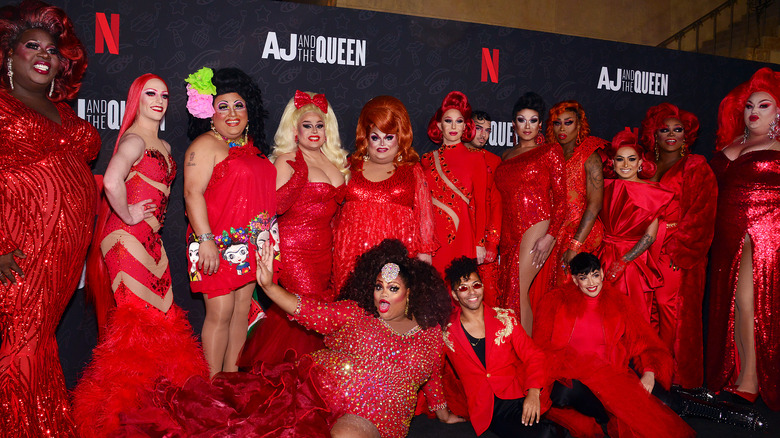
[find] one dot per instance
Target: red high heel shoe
(749, 397)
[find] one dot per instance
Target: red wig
(562, 107)
(654, 120)
(628, 139)
(731, 122)
(98, 286)
(453, 100)
(389, 115)
(33, 14)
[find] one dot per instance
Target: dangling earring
(11, 73)
(398, 158)
(539, 139)
(657, 154)
(406, 310)
(640, 169)
(682, 150)
(745, 137)
(51, 90)
(774, 128)
(366, 157)
(246, 133)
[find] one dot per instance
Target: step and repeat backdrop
(352, 56)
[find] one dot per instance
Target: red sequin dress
(532, 190)
(241, 206)
(305, 213)
(48, 206)
(141, 342)
(749, 196)
(629, 208)
(576, 202)
(397, 208)
(368, 369)
(458, 181)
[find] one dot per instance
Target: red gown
(241, 205)
(367, 369)
(305, 212)
(688, 225)
(458, 181)
(48, 208)
(532, 190)
(629, 208)
(576, 202)
(488, 271)
(141, 342)
(749, 195)
(396, 208)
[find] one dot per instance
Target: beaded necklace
(232, 143)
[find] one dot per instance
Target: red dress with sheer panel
(48, 208)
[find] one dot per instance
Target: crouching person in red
(501, 369)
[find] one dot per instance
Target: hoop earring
(11, 73)
(539, 139)
(51, 90)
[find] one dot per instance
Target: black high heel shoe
(722, 412)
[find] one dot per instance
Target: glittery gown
(629, 208)
(532, 190)
(576, 202)
(458, 181)
(749, 195)
(367, 369)
(241, 206)
(48, 206)
(141, 342)
(305, 212)
(399, 208)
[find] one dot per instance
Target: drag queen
(684, 236)
(632, 208)
(388, 185)
(311, 171)
(743, 352)
(458, 181)
(147, 335)
(48, 207)
(230, 197)
(533, 195)
(581, 230)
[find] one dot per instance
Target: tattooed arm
(644, 243)
(199, 162)
(594, 189)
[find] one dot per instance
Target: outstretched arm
(279, 295)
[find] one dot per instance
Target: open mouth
(42, 67)
(157, 109)
(232, 122)
(561, 136)
(384, 306)
(382, 150)
(314, 138)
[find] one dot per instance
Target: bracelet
(575, 245)
(205, 237)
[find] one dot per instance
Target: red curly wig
(654, 120)
(731, 122)
(562, 107)
(33, 14)
(389, 115)
(629, 139)
(453, 100)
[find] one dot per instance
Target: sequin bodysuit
(48, 205)
(748, 199)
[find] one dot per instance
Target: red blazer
(514, 364)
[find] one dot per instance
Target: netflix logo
(106, 35)
(489, 65)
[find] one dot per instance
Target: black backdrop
(415, 59)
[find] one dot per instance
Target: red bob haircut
(562, 107)
(453, 100)
(628, 139)
(33, 14)
(389, 115)
(654, 120)
(731, 122)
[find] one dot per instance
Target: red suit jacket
(514, 364)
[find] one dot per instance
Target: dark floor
(423, 427)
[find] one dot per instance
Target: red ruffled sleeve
(425, 241)
(558, 189)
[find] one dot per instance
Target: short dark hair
(460, 269)
(532, 101)
(584, 263)
(481, 116)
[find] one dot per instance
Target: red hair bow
(318, 100)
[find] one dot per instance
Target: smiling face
(626, 163)
(589, 284)
(230, 115)
(382, 148)
(35, 60)
(566, 127)
(310, 130)
(390, 298)
(469, 292)
(526, 125)
(154, 100)
(760, 110)
(482, 133)
(670, 137)
(452, 125)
